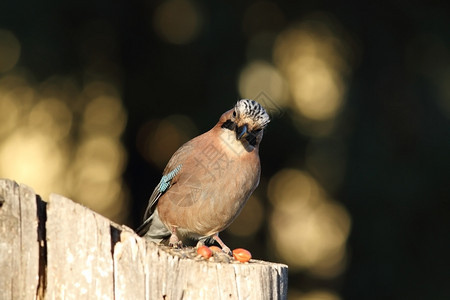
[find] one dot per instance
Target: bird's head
(248, 119)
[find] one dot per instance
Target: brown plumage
(209, 179)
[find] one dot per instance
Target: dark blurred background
(95, 96)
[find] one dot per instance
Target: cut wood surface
(19, 247)
(62, 250)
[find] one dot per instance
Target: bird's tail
(142, 230)
(153, 229)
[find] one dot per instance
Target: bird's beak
(241, 131)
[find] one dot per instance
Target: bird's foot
(226, 250)
(177, 245)
(222, 244)
(174, 241)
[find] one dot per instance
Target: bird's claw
(222, 244)
(226, 250)
(177, 245)
(175, 242)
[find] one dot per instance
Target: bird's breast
(212, 188)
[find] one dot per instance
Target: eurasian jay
(208, 180)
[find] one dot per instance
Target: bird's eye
(234, 113)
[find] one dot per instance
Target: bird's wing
(169, 178)
(163, 185)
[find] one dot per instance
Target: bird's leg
(200, 243)
(222, 244)
(174, 241)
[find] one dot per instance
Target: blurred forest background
(95, 96)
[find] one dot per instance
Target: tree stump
(62, 250)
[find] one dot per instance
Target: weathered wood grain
(79, 257)
(129, 266)
(83, 255)
(171, 277)
(19, 249)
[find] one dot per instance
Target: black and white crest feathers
(254, 110)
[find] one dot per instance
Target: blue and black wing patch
(166, 180)
(161, 188)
